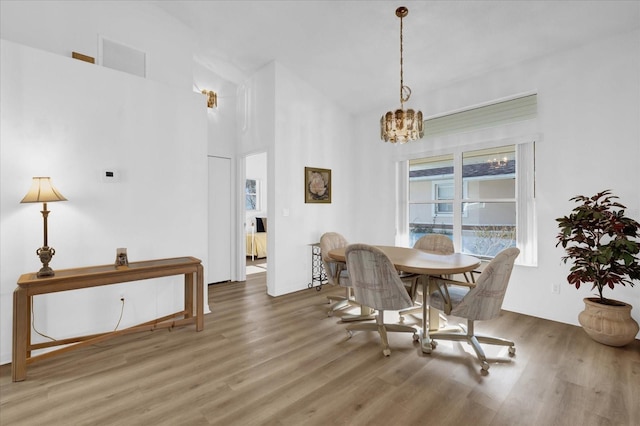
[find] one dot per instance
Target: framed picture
(317, 185)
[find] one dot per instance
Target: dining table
(427, 265)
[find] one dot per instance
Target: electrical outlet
(555, 288)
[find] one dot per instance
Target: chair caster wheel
(349, 334)
(429, 347)
(512, 350)
(416, 338)
(386, 352)
(485, 366)
(401, 320)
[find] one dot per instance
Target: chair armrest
(442, 288)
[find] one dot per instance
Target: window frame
(526, 227)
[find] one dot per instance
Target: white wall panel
(71, 120)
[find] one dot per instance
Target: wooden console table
(72, 279)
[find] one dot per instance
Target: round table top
(421, 262)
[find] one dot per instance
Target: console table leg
(20, 334)
(188, 295)
(200, 298)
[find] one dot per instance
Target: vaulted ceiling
(349, 50)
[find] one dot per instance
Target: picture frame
(317, 185)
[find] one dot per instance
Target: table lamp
(43, 191)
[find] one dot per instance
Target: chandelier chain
(405, 91)
(401, 67)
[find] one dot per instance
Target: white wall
(221, 143)
(221, 120)
(297, 126)
(310, 131)
(63, 27)
(71, 120)
(589, 122)
(256, 133)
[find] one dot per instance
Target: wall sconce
(212, 98)
(43, 191)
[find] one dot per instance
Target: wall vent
(122, 58)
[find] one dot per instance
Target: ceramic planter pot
(608, 324)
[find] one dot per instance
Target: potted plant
(603, 245)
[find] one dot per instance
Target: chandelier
(498, 163)
(400, 125)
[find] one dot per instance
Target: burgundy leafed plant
(602, 243)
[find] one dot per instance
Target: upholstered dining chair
(477, 301)
(376, 284)
(337, 275)
(435, 243)
(431, 243)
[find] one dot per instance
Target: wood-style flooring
(282, 361)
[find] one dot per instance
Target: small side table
(318, 274)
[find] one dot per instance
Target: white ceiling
(349, 50)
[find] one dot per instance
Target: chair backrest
(435, 243)
(484, 301)
(328, 242)
(374, 279)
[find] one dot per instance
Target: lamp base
(45, 253)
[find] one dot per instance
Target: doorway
(255, 213)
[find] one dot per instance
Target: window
(489, 225)
(431, 193)
(475, 181)
(476, 197)
(443, 191)
(251, 195)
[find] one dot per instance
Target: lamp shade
(42, 191)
